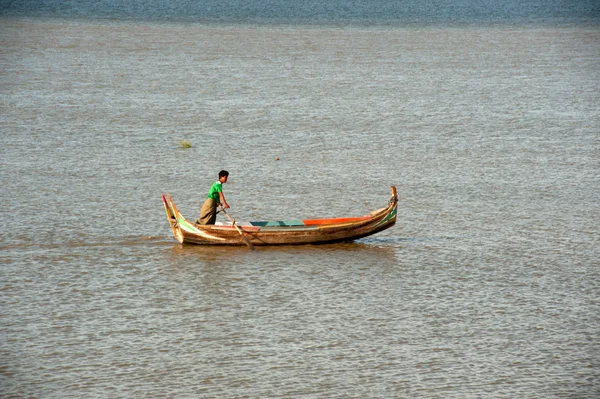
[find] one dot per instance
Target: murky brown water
(487, 287)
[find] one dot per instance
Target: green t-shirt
(214, 191)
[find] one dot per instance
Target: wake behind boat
(282, 232)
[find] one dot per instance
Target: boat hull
(296, 232)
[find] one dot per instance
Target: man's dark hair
(223, 173)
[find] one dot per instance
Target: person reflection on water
(208, 213)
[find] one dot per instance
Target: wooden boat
(282, 232)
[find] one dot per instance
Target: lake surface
(487, 286)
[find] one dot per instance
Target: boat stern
(172, 216)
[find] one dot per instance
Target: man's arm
(223, 202)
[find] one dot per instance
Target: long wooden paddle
(246, 240)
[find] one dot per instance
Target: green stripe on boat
(185, 224)
(390, 215)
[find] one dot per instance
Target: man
(208, 213)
